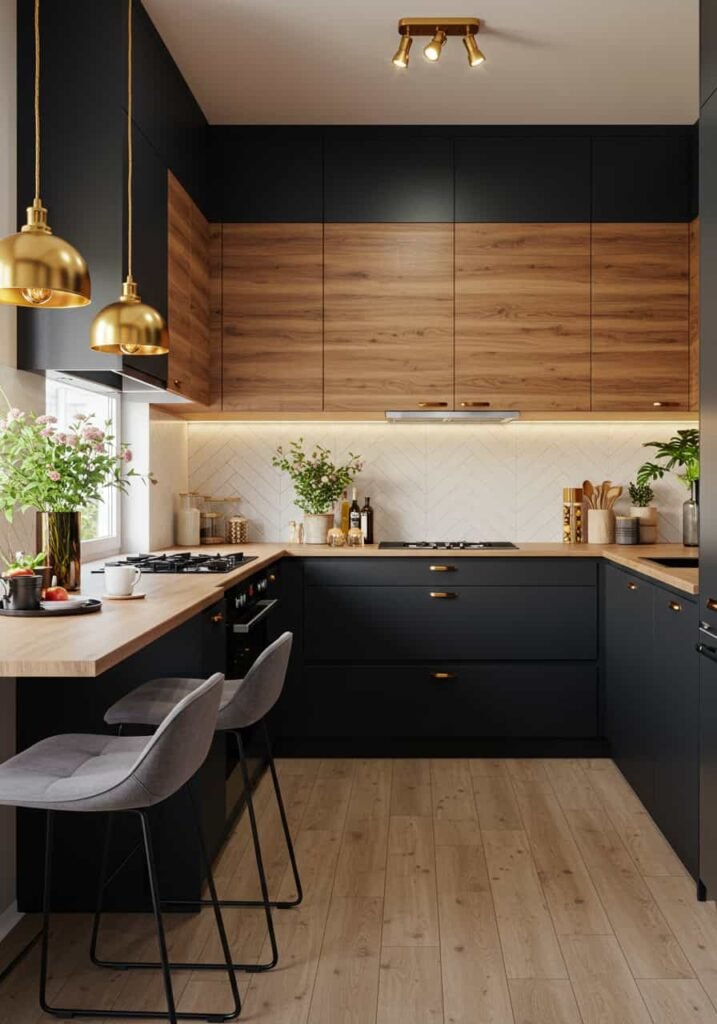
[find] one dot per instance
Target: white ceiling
(329, 61)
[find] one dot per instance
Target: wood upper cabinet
(694, 381)
(272, 317)
(388, 316)
(640, 317)
(522, 298)
(188, 298)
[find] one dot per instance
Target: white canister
(186, 532)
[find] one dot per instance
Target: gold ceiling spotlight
(129, 326)
(438, 29)
(38, 269)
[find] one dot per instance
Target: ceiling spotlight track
(438, 29)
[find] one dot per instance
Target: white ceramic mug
(120, 580)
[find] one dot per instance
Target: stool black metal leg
(101, 892)
(157, 909)
(265, 902)
(282, 904)
(170, 1014)
(47, 884)
(215, 902)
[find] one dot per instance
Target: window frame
(101, 547)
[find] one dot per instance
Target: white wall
(159, 445)
(440, 482)
(25, 391)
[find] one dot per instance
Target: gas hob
(448, 545)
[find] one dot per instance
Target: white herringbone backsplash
(441, 482)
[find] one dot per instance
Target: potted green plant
(681, 452)
(318, 484)
(60, 473)
(642, 509)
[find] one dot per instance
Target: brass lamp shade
(40, 270)
(129, 327)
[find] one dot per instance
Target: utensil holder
(601, 526)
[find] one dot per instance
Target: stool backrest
(180, 745)
(257, 693)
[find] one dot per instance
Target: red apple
(56, 594)
(18, 572)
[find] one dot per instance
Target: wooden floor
(437, 892)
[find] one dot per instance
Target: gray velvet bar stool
(114, 774)
(244, 702)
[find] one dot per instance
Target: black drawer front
(523, 700)
(361, 624)
(464, 570)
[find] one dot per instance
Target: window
(100, 523)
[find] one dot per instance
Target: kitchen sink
(675, 563)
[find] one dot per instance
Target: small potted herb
(318, 484)
(681, 452)
(642, 509)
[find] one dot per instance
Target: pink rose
(126, 455)
(47, 432)
(53, 475)
(70, 440)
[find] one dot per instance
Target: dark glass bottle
(367, 522)
(354, 513)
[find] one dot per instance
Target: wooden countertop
(89, 645)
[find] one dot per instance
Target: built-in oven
(249, 608)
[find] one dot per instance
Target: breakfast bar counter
(87, 646)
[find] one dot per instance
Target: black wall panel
(401, 178)
(523, 179)
(642, 178)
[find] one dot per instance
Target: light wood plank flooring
(437, 892)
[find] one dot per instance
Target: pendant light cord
(129, 139)
(37, 99)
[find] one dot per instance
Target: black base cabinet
(651, 692)
(439, 655)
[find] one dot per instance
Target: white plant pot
(316, 527)
(648, 522)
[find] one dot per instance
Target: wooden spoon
(612, 495)
(589, 493)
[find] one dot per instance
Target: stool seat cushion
(242, 702)
(76, 772)
(151, 702)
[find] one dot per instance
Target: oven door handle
(264, 608)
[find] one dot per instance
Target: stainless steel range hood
(451, 416)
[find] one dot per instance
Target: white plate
(56, 606)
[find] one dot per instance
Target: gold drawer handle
(177, 383)
(442, 568)
(217, 617)
(664, 405)
(712, 604)
(432, 405)
(475, 405)
(443, 675)
(632, 586)
(442, 593)
(674, 606)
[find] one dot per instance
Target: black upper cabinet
(708, 49)
(522, 179)
(166, 111)
(262, 175)
(399, 178)
(642, 178)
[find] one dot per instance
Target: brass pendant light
(38, 269)
(129, 326)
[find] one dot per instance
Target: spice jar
(573, 525)
(237, 527)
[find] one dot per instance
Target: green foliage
(52, 470)
(21, 561)
(681, 451)
(318, 482)
(640, 494)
